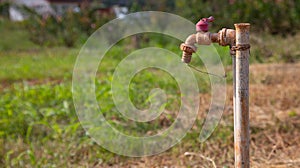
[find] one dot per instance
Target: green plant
(67, 30)
(4, 9)
(276, 17)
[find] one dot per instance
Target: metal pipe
(241, 114)
(233, 56)
(238, 40)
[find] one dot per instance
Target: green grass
(38, 122)
(56, 63)
(39, 127)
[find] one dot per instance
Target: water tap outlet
(202, 25)
(188, 50)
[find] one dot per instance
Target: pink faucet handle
(210, 19)
(202, 25)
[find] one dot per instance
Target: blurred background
(39, 43)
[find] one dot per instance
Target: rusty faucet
(238, 41)
(225, 37)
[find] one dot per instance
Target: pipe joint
(226, 37)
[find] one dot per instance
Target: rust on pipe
(214, 37)
(241, 113)
(233, 83)
(226, 37)
(187, 52)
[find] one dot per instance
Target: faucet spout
(188, 47)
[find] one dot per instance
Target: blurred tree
(4, 9)
(276, 17)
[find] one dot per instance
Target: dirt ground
(275, 126)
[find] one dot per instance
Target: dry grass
(275, 126)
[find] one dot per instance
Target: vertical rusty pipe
(233, 56)
(241, 115)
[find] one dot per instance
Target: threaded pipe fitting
(187, 52)
(186, 57)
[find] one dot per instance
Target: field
(39, 126)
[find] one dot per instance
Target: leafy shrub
(4, 6)
(276, 17)
(67, 29)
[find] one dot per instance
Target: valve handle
(202, 25)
